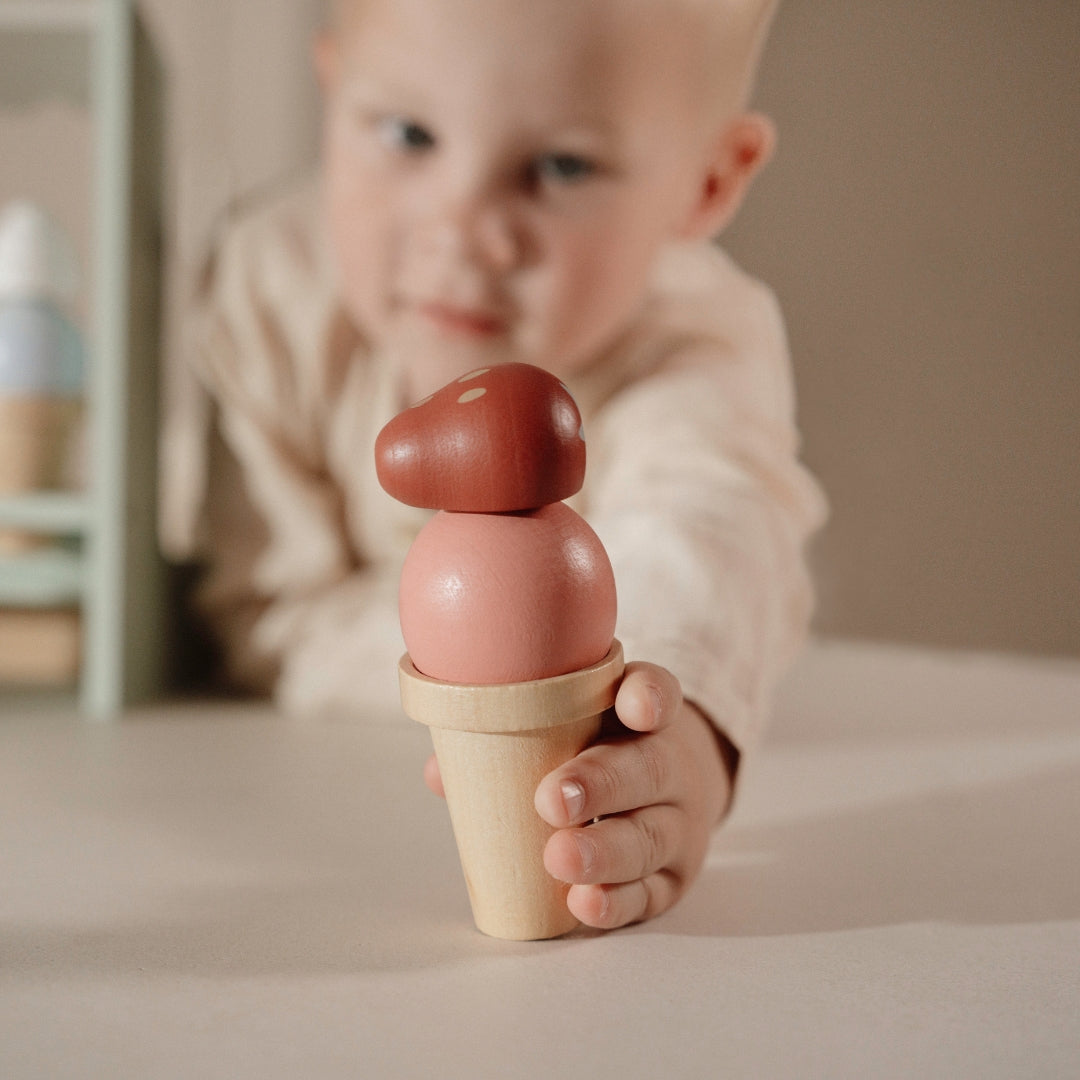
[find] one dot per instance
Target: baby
(538, 181)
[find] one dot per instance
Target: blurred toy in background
(41, 357)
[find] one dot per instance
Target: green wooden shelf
(55, 513)
(96, 54)
(49, 577)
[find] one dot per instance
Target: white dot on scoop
(472, 395)
(474, 374)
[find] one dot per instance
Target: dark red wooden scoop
(495, 440)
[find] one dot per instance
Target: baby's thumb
(432, 776)
(648, 698)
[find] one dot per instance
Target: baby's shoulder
(700, 285)
(267, 313)
(272, 241)
(704, 320)
(701, 309)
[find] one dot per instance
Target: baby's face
(501, 173)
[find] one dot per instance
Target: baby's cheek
(595, 301)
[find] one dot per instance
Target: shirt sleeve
(298, 612)
(698, 495)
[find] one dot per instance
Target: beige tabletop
(214, 891)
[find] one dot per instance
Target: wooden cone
(34, 432)
(494, 745)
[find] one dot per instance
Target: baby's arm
(704, 510)
(295, 613)
(295, 608)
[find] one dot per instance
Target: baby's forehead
(721, 35)
(714, 15)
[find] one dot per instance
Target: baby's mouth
(462, 321)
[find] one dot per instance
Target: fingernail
(573, 796)
(586, 852)
(657, 704)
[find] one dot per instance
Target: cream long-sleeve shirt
(693, 481)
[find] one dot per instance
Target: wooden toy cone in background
(507, 608)
(41, 358)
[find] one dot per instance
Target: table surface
(212, 890)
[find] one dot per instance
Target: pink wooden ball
(504, 598)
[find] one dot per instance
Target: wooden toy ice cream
(507, 607)
(41, 359)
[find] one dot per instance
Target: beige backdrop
(919, 223)
(922, 226)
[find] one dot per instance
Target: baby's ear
(744, 146)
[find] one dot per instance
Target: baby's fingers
(432, 776)
(609, 778)
(607, 907)
(618, 849)
(649, 697)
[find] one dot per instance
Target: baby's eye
(563, 168)
(403, 134)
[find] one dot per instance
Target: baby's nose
(477, 229)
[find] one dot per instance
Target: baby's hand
(659, 785)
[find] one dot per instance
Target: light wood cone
(34, 433)
(494, 745)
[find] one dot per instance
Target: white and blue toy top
(41, 351)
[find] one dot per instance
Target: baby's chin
(428, 369)
(429, 358)
(428, 361)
